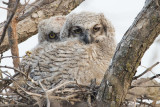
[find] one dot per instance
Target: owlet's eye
(52, 35)
(78, 31)
(96, 29)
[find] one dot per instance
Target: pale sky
(120, 12)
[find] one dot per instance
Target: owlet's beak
(87, 38)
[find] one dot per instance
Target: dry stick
(59, 86)
(16, 74)
(5, 8)
(19, 72)
(14, 90)
(17, 85)
(13, 69)
(8, 22)
(151, 78)
(4, 2)
(10, 57)
(148, 69)
(45, 90)
(64, 98)
(29, 93)
(146, 86)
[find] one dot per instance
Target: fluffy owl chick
(49, 29)
(84, 55)
(48, 32)
(98, 34)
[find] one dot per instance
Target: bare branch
(8, 21)
(61, 85)
(4, 2)
(14, 69)
(148, 69)
(10, 57)
(6, 8)
(48, 102)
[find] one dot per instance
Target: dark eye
(78, 31)
(95, 29)
(52, 35)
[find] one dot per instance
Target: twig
(89, 101)
(145, 86)
(48, 102)
(64, 98)
(148, 69)
(19, 72)
(14, 90)
(29, 93)
(5, 8)
(8, 21)
(149, 79)
(4, 2)
(144, 103)
(14, 69)
(61, 85)
(17, 85)
(157, 3)
(7, 83)
(156, 76)
(10, 57)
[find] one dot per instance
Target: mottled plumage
(48, 32)
(84, 52)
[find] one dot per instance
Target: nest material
(26, 91)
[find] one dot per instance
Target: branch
(148, 69)
(33, 8)
(8, 21)
(28, 27)
(129, 52)
(45, 90)
(144, 87)
(5, 8)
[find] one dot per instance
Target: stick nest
(25, 91)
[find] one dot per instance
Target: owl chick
(48, 32)
(84, 54)
(49, 29)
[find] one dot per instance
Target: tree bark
(129, 52)
(28, 20)
(12, 33)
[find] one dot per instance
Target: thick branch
(12, 34)
(28, 27)
(128, 54)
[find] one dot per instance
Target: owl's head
(49, 29)
(87, 26)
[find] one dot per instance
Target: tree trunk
(28, 20)
(129, 52)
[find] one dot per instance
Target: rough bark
(27, 25)
(12, 33)
(129, 52)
